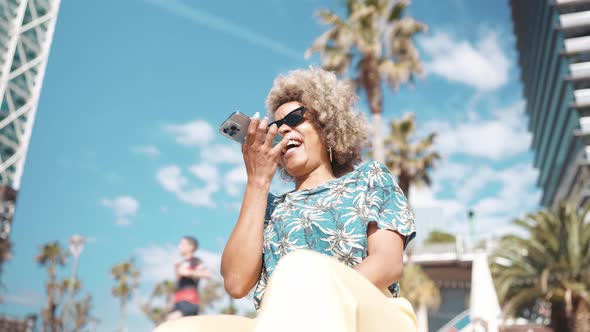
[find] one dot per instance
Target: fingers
(270, 136)
(261, 132)
(278, 149)
(251, 135)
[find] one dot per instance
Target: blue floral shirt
(332, 219)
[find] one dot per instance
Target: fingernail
(265, 118)
(256, 115)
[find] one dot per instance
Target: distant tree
(379, 35)
(251, 314)
(51, 256)
(231, 308)
(164, 290)
(126, 276)
(418, 288)
(551, 264)
(408, 159)
(436, 236)
(211, 293)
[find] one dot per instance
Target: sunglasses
(292, 119)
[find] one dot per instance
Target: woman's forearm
(379, 271)
(242, 257)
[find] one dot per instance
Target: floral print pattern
(332, 219)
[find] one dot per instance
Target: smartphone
(235, 127)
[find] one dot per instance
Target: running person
(189, 272)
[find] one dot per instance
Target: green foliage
(436, 236)
(418, 288)
(375, 39)
(57, 315)
(163, 290)
(126, 276)
(551, 264)
(409, 159)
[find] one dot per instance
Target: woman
(326, 256)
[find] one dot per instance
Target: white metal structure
(577, 45)
(26, 32)
(580, 70)
(574, 20)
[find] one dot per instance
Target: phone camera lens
(233, 133)
(226, 130)
(234, 128)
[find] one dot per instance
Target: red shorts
(188, 295)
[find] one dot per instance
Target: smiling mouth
(293, 143)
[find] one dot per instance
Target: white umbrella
(484, 308)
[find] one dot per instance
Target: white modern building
(553, 42)
(26, 32)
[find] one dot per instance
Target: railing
(577, 45)
(581, 69)
(573, 20)
(460, 322)
(582, 96)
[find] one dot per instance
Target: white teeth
(292, 143)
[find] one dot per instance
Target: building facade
(553, 42)
(26, 33)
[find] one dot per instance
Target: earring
(330, 152)
(285, 178)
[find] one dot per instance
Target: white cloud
(148, 150)
(499, 138)
(494, 209)
(193, 133)
(125, 207)
(205, 172)
(172, 180)
(515, 194)
(222, 154)
(27, 297)
(235, 180)
(157, 264)
(484, 66)
(199, 196)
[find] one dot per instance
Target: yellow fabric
(310, 292)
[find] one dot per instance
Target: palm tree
(82, 310)
(231, 308)
(419, 290)
(163, 289)
(409, 161)
(211, 293)
(50, 256)
(126, 276)
(380, 37)
(551, 264)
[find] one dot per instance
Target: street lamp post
(470, 217)
(76, 245)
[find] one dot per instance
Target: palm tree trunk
(51, 305)
(378, 149)
(558, 320)
(122, 316)
(581, 320)
(372, 83)
(404, 183)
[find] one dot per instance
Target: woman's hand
(260, 157)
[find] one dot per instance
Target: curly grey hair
(330, 102)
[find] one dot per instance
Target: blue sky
(125, 150)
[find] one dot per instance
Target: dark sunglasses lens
(293, 119)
